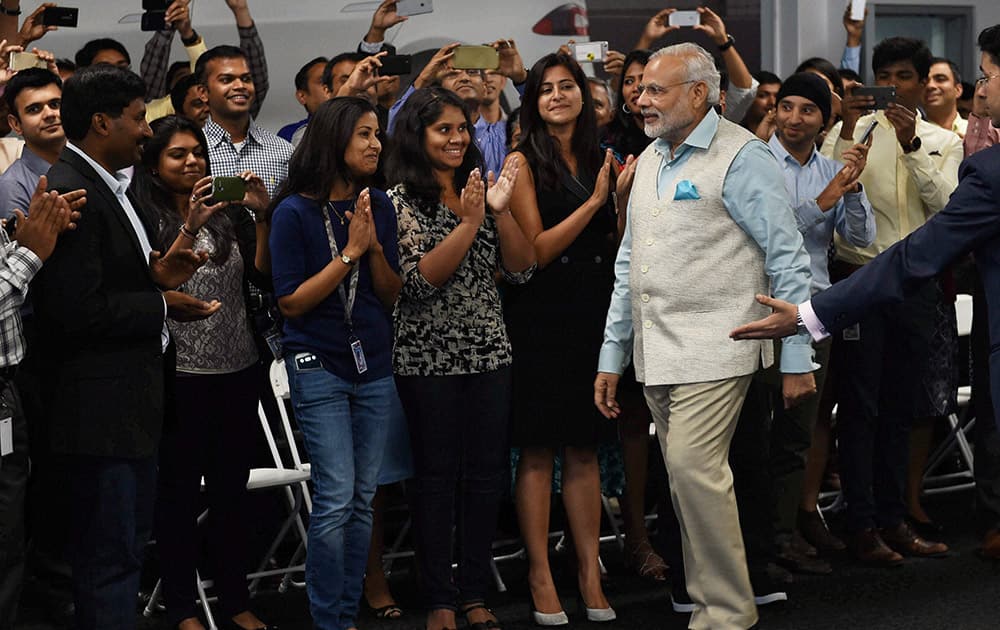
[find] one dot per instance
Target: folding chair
(961, 426)
(292, 481)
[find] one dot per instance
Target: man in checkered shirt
(20, 260)
(235, 142)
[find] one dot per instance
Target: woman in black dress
(556, 323)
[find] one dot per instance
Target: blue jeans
(344, 429)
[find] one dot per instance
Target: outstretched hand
(782, 322)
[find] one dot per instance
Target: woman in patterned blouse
(451, 356)
(217, 369)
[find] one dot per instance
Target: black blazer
(969, 223)
(100, 317)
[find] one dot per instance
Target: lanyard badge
(347, 296)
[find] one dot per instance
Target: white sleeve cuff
(815, 327)
(370, 47)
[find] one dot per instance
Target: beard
(666, 123)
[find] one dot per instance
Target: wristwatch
(912, 145)
(347, 260)
(730, 42)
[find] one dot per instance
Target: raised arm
(253, 48)
(549, 244)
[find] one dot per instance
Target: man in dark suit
(969, 223)
(100, 300)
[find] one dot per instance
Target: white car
(296, 31)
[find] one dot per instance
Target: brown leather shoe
(903, 539)
(792, 558)
(869, 548)
(814, 530)
(991, 545)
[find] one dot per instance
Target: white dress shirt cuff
(371, 48)
(815, 327)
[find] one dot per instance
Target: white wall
(793, 30)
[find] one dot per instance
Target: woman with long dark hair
(625, 134)
(451, 355)
(335, 276)
(210, 435)
(563, 204)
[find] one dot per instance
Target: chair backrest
(963, 314)
(282, 395)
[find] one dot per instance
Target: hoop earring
(626, 109)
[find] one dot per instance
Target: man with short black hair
(101, 303)
(103, 50)
(34, 99)
(764, 101)
(235, 142)
(944, 88)
(190, 99)
(310, 92)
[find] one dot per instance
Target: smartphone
(684, 18)
(395, 65)
(868, 132)
(590, 52)
(476, 57)
(60, 16)
(858, 9)
(228, 189)
(414, 7)
(882, 95)
(22, 61)
(154, 21)
(156, 5)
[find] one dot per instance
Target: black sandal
(489, 624)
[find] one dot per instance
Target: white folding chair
(293, 482)
(961, 426)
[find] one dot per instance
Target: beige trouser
(695, 423)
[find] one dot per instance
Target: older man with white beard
(709, 226)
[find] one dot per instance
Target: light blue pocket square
(686, 190)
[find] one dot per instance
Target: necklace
(341, 217)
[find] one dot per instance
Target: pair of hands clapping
(495, 192)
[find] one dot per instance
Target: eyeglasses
(983, 80)
(656, 91)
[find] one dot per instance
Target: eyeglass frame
(662, 90)
(986, 78)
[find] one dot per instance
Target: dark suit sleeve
(386, 48)
(971, 218)
(75, 293)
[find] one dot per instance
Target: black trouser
(880, 384)
(458, 428)
(212, 436)
(13, 487)
(987, 438)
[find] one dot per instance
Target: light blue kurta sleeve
(754, 193)
(616, 351)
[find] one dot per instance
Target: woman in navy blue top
(336, 276)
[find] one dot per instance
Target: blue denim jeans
(344, 429)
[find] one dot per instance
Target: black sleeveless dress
(556, 326)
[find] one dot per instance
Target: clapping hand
(49, 215)
(603, 182)
(359, 232)
(473, 202)
(500, 189)
(623, 185)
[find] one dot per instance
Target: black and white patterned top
(18, 265)
(262, 152)
(458, 328)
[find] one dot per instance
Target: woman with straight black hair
(335, 270)
(451, 356)
(625, 132)
(209, 433)
(562, 203)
